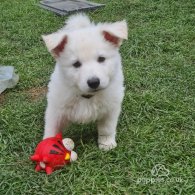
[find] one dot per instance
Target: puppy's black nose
(93, 82)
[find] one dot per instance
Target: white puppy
(87, 83)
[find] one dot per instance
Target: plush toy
(53, 153)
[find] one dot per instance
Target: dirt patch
(34, 94)
(2, 98)
(37, 92)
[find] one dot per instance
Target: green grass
(157, 122)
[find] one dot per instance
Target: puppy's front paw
(106, 142)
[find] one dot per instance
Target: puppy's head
(86, 53)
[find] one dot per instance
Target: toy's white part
(73, 156)
(68, 143)
(42, 165)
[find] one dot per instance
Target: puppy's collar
(87, 96)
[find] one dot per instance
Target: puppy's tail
(77, 21)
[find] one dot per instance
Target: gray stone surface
(64, 7)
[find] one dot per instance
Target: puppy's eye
(77, 64)
(101, 59)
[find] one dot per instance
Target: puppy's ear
(55, 43)
(115, 32)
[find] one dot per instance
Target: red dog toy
(53, 153)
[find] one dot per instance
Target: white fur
(80, 21)
(85, 42)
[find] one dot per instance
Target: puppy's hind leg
(54, 121)
(107, 130)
